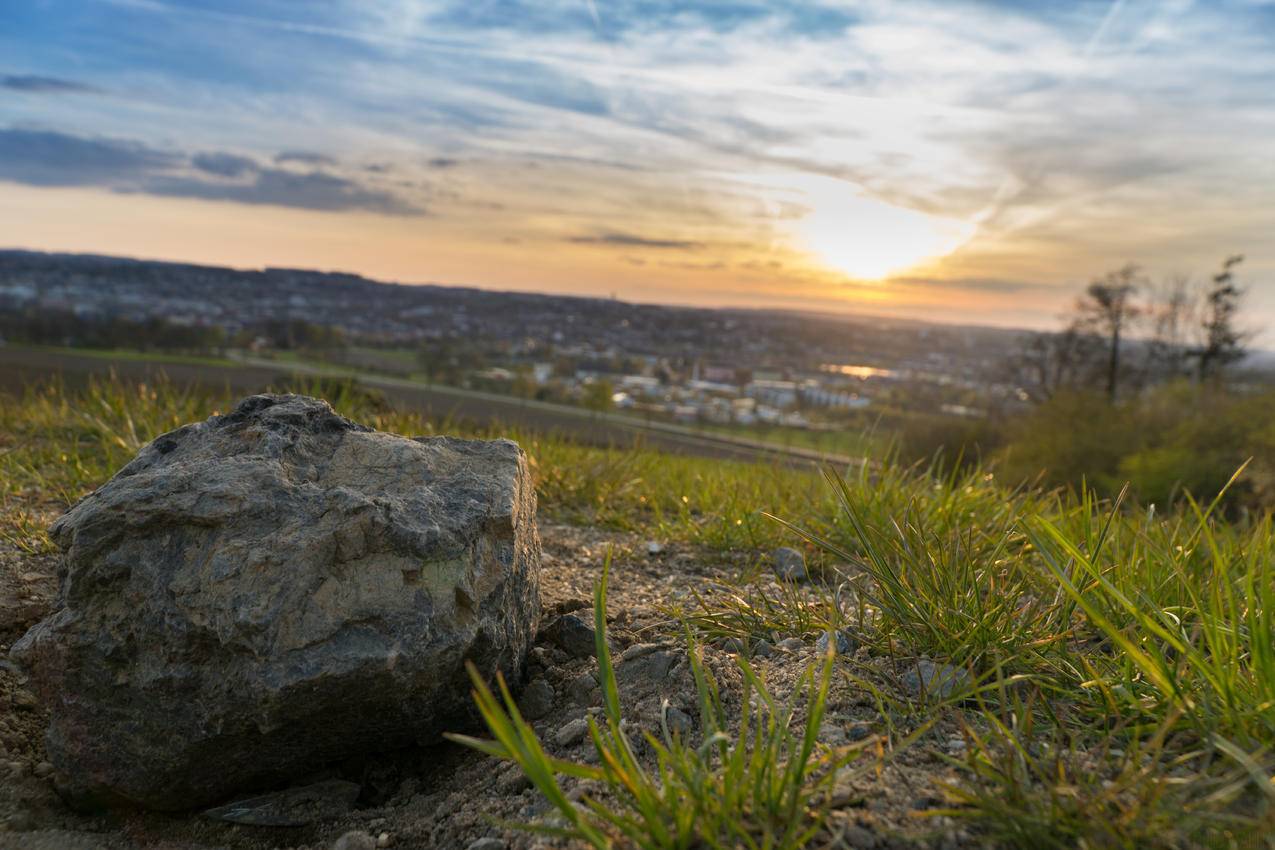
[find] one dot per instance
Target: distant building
(817, 396)
(775, 393)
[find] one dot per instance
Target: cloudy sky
(964, 161)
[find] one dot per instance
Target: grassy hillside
(1118, 665)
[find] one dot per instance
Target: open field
(21, 365)
(1008, 668)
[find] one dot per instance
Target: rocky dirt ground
(450, 797)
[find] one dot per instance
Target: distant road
(20, 365)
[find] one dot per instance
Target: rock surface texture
(275, 588)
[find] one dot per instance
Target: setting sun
(868, 239)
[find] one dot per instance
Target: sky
(954, 161)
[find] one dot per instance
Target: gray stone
(844, 645)
(355, 840)
(678, 721)
(585, 689)
(637, 650)
(763, 648)
(859, 731)
(792, 644)
(572, 733)
(292, 806)
(536, 700)
(654, 548)
(926, 678)
(572, 635)
(832, 734)
(486, 844)
(650, 668)
(270, 590)
(790, 564)
(857, 837)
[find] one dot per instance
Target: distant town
(727, 368)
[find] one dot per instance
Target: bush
(1175, 440)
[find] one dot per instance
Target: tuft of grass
(1054, 789)
(755, 610)
(1193, 628)
(940, 586)
(762, 782)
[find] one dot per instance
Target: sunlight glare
(869, 239)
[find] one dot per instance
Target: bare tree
(1171, 308)
(1223, 343)
(1048, 362)
(1107, 310)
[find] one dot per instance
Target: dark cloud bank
(49, 158)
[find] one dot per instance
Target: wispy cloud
(304, 157)
(38, 84)
(632, 240)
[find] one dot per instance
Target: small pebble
(679, 722)
(572, 733)
(43, 769)
(385, 840)
(637, 650)
(859, 731)
(734, 646)
(832, 734)
(486, 844)
(355, 840)
(763, 648)
(792, 644)
(572, 635)
(935, 680)
(24, 701)
(584, 689)
(857, 837)
(536, 700)
(844, 645)
(654, 548)
(790, 564)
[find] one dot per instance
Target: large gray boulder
(270, 590)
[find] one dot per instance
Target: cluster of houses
(714, 395)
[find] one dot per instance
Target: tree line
(39, 326)
(1126, 333)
